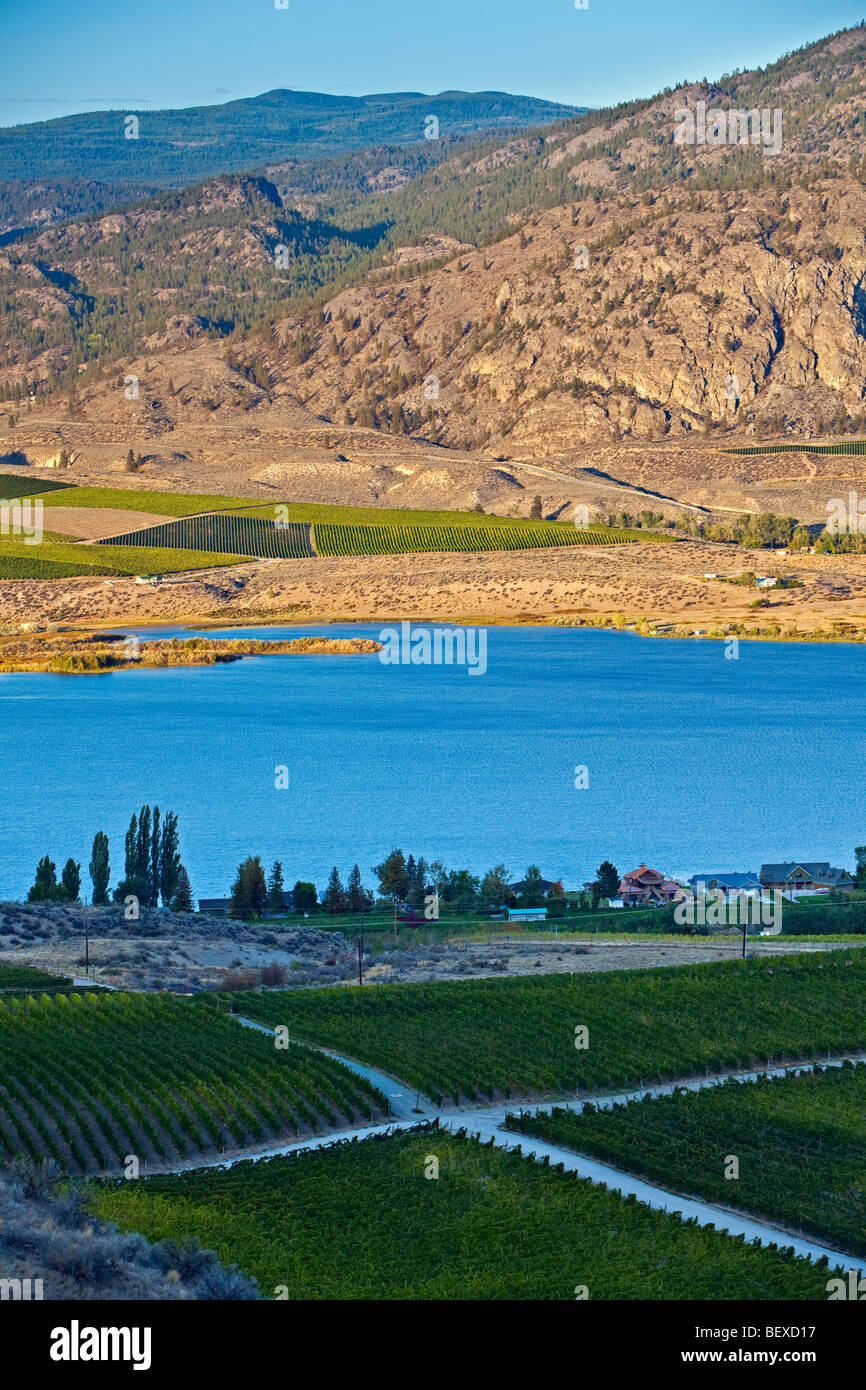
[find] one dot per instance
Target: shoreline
(56, 655)
(636, 627)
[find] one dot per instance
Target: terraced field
(361, 1220)
(88, 1079)
(483, 1038)
(799, 1141)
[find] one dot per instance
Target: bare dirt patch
(95, 523)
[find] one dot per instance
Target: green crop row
(510, 1037)
(233, 535)
(364, 1220)
(400, 540)
(88, 1079)
(799, 1144)
(847, 446)
(26, 977)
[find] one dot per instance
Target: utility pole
(360, 960)
(86, 942)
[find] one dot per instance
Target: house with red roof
(647, 887)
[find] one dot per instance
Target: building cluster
(645, 887)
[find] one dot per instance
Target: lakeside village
(414, 892)
(418, 894)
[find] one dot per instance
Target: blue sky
(58, 57)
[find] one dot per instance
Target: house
(220, 905)
(647, 886)
(539, 885)
(526, 914)
(765, 581)
(805, 878)
(731, 884)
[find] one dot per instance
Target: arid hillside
(593, 312)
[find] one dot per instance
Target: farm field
(65, 559)
(234, 535)
(18, 485)
(18, 977)
(843, 446)
(255, 536)
(800, 1142)
(138, 499)
(88, 1079)
(401, 540)
(486, 1038)
(360, 1220)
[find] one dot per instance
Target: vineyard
(847, 446)
(18, 485)
(479, 1039)
(229, 535)
(65, 559)
(234, 534)
(90, 1078)
(170, 504)
(26, 977)
(401, 540)
(800, 1142)
(361, 1220)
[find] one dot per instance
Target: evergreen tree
(334, 899)
(608, 880)
(71, 879)
(276, 888)
(99, 868)
(356, 897)
(535, 512)
(45, 885)
(182, 900)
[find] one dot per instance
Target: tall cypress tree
(142, 855)
(99, 868)
(169, 859)
(130, 849)
(155, 851)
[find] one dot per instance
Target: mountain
(597, 280)
(53, 165)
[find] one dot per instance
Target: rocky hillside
(600, 280)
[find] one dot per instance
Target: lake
(694, 762)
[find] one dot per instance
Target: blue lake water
(695, 762)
